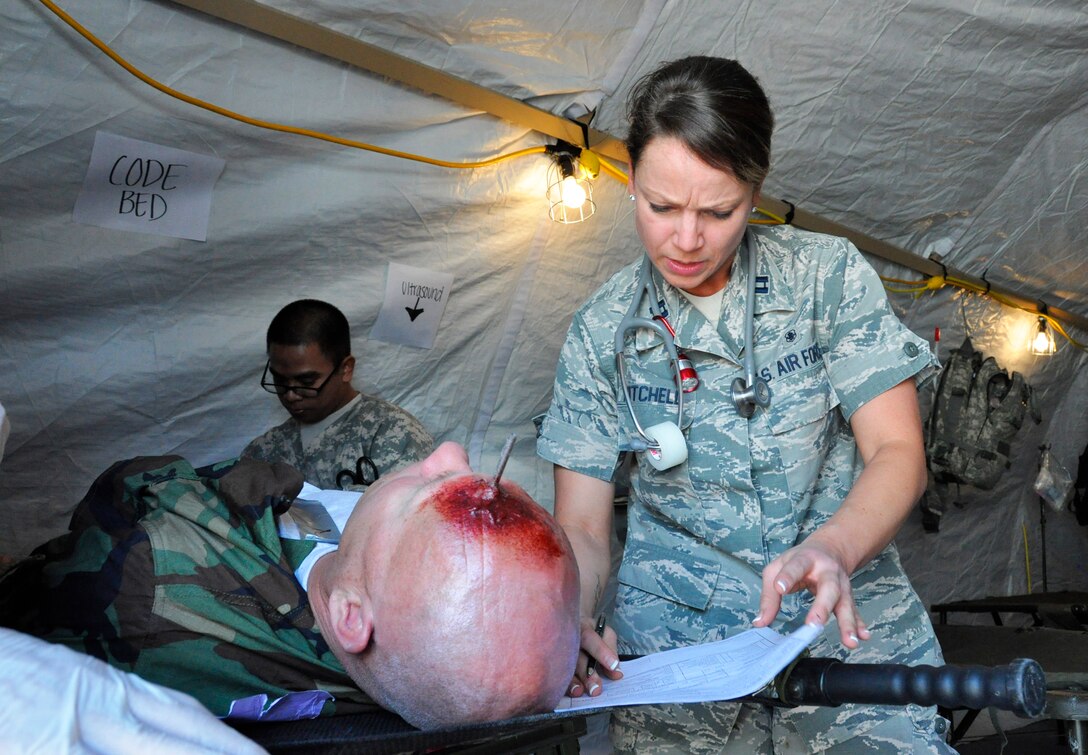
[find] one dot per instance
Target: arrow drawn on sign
(414, 312)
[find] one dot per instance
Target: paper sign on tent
(415, 300)
(132, 185)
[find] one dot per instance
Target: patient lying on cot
(182, 576)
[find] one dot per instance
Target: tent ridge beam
(339, 46)
(928, 267)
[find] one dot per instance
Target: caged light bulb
(574, 196)
(1042, 343)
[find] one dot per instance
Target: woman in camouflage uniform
(774, 520)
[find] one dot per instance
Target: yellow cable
(935, 282)
(772, 216)
(1064, 333)
(916, 287)
(612, 170)
(769, 218)
(607, 167)
(86, 34)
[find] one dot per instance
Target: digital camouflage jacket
(372, 429)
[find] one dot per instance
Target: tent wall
(939, 129)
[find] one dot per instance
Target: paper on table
(722, 670)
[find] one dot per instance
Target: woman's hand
(888, 430)
(583, 507)
(817, 567)
(603, 649)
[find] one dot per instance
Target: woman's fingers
(587, 680)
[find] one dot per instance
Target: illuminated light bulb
(1042, 343)
(570, 191)
(574, 196)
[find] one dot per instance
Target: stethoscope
(360, 476)
(664, 443)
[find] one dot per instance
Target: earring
(631, 197)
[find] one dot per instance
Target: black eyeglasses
(305, 391)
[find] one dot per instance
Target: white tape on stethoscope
(664, 443)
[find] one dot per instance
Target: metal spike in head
(504, 455)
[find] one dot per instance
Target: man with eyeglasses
(336, 436)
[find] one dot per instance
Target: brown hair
(714, 106)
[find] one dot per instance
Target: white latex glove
(55, 701)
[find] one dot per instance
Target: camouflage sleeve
(401, 440)
(170, 580)
(867, 350)
(271, 446)
(376, 429)
(581, 431)
(252, 449)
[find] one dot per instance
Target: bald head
(471, 591)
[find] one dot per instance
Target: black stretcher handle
(1019, 687)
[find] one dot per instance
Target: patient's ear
(352, 618)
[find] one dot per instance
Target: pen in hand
(591, 666)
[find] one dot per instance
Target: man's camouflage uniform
(383, 432)
(179, 576)
(699, 534)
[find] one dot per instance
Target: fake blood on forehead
(479, 508)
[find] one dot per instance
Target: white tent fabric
(938, 129)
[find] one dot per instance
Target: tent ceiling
(317, 38)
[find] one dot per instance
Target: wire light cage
(1042, 339)
(570, 191)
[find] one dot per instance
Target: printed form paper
(723, 670)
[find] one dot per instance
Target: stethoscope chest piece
(746, 398)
